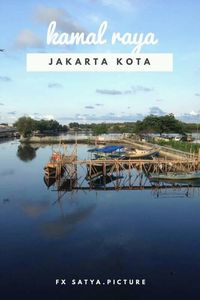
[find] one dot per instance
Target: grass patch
(182, 146)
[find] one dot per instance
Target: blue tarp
(106, 149)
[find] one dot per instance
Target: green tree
(25, 125)
(74, 125)
(99, 128)
(169, 123)
(44, 125)
(162, 124)
(64, 128)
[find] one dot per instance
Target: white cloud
(95, 19)
(155, 110)
(109, 117)
(48, 117)
(38, 116)
(89, 107)
(132, 90)
(64, 21)
(27, 38)
(125, 5)
(54, 85)
(5, 78)
(193, 113)
(109, 92)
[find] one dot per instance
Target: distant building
(4, 125)
(7, 131)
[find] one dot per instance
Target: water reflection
(26, 153)
(108, 184)
(111, 230)
(65, 224)
(35, 209)
(174, 192)
(5, 200)
(7, 172)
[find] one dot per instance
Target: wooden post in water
(104, 169)
(129, 172)
(90, 169)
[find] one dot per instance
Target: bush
(182, 146)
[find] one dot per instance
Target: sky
(99, 97)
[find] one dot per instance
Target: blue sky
(96, 97)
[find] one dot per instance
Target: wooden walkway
(153, 166)
(115, 174)
(110, 175)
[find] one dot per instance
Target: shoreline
(167, 152)
(57, 140)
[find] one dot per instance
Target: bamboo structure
(115, 174)
(147, 166)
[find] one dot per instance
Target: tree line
(150, 124)
(160, 124)
(26, 126)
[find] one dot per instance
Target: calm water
(89, 234)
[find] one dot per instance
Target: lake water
(92, 234)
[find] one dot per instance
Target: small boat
(55, 167)
(49, 180)
(141, 154)
(104, 153)
(56, 161)
(108, 152)
(175, 176)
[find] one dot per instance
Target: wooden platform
(153, 166)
